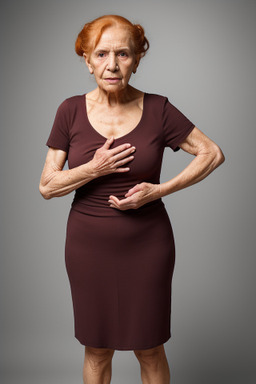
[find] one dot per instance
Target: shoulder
(70, 104)
(156, 99)
(161, 103)
(72, 101)
(156, 102)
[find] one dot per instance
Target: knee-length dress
(120, 263)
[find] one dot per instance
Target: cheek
(98, 66)
(128, 68)
(98, 71)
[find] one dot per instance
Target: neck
(115, 98)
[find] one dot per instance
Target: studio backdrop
(202, 57)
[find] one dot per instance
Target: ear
(87, 62)
(136, 64)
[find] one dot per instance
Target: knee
(98, 358)
(150, 357)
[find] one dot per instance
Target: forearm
(208, 157)
(60, 183)
(200, 167)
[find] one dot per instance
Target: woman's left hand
(136, 197)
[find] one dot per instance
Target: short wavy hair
(91, 33)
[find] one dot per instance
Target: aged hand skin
(208, 156)
(106, 160)
(56, 182)
(137, 196)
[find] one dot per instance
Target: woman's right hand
(106, 160)
(56, 182)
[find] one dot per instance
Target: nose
(112, 62)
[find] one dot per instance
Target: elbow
(44, 192)
(215, 156)
(219, 157)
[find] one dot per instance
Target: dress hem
(119, 348)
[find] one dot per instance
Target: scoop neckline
(116, 138)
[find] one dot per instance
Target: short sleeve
(176, 126)
(59, 136)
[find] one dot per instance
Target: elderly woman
(119, 250)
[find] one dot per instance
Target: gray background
(202, 57)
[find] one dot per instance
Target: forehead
(114, 38)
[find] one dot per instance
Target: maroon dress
(120, 263)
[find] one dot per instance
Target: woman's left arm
(208, 156)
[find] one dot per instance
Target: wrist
(157, 191)
(161, 191)
(89, 170)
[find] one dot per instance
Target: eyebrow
(104, 49)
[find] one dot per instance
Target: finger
(133, 190)
(120, 208)
(121, 204)
(124, 161)
(124, 153)
(108, 142)
(120, 148)
(113, 199)
(121, 170)
(114, 202)
(113, 206)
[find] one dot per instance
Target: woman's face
(113, 60)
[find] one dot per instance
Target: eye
(101, 54)
(123, 54)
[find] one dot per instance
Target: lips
(112, 80)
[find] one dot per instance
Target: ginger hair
(90, 35)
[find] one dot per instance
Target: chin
(115, 87)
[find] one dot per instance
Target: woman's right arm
(56, 182)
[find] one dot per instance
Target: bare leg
(154, 365)
(97, 365)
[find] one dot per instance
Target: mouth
(112, 80)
